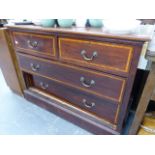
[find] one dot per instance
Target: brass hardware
(83, 53)
(43, 86)
(148, 129)
(32, 44)
(90, 105)
(83, 82)
(34, 67)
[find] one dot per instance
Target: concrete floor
(20, 117)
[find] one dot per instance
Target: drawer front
(107, 86)
(80, 99)
(35, 44)
(98, 55)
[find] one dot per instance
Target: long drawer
(107, 86)
(34, 44)
(81, 99)
(114, 58)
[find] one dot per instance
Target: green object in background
(65, 22)
(95, 22)
(47, 22)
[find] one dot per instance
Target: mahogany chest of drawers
(83, 76)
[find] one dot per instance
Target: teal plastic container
(95, 23)
(66, 23)
(48, 22)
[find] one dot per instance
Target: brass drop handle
(43, 85)
(85, 57)
(32, 44)
(148, 129)
(85, 84)
(35, 67)
(88, 105)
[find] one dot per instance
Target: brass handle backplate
(85, 84)
(35, 67)
(85, 57)
(43, 85)
(32, 44)
(88, 105)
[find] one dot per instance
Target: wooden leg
(144, 101)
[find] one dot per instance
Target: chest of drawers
(83, 77)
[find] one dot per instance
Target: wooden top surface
(101, 32)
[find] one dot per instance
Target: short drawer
(34, 44)
(83, 100)
(110, 57)
(104, 85)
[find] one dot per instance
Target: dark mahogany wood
(86, 32)
(101, 108)
(124, 109)
(114, 66)
(109, 86)
(109, 57)
(34, 44)
(73, 115)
